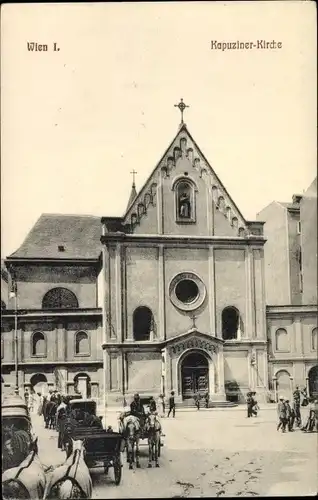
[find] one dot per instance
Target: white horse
(27, 481)
(72, 479)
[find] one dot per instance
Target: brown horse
(153, 431)
(72, 479)
(27, 481)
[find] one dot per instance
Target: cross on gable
(133, 172)
(182, 107)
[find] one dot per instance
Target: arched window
(142, 323)
(230, 323)
(184, 200)
(282, 340)
(314, 339)
(81, 344)
(59, 298)
(38, 344)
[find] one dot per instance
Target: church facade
(182, 284)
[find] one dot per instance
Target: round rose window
(187, 291)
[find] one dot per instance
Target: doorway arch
(313, 381)
(194, 369)
(38, 383)
(82, 385)
(283, 384)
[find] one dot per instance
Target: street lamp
(14, 294)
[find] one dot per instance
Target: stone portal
(194, 375)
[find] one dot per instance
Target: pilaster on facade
(210, 211)
(119, 291)
(161, 286)
(220, 365)
(106, 294)
(211, 294)
(250, 293)
(160, 204)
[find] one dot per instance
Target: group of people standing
(303, 414)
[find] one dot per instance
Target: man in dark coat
(249, 403)
(289, 416)
(282, 414)
(136, 407)
(152, 405)
(172, 405)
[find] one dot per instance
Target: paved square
(212, 453)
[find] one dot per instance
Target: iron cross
(182, 107)
(193, 317)
(133, 172)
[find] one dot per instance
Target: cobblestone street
(211, 453)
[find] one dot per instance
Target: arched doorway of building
(194, 375)
(39, 383)
(283, 384)
(82, 385)
(313, 381)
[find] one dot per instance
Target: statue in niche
(184, 203)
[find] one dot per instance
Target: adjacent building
(180, 293)
(290, 256)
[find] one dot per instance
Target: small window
(61, 248)
(230, 323)
(314, 340)
(38, 344)
(81, 344)
(299, 227)
(282, 340)
(143, 323)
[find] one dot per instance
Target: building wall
(34, 282)
(294, 249)
(298, 355)
(308, 218)
(59, 354)
(276, 254)
(178, 260)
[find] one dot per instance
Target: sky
(77, 121)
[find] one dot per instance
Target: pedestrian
(163, 405)
(206, 397)
(305, 397)
(172, 405)
(26, 396)
(254, 404)
(289, 416)
(281, 410)
(296, 394)
(249, 403)
(152, 405)
(197, 400)
(296, 408)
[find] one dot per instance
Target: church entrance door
(195, 375)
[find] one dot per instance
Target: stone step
(212, 404)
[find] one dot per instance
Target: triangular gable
(193, 333)
(183, 144)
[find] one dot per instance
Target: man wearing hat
(282, 414)
(136, 407)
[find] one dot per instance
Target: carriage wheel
(117, 472)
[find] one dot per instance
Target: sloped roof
(132, 196)
(311, 191)
(78, 234)
(183, 130)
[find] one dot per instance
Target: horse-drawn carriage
(17, 431)
(138, 427)
(102, 448)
